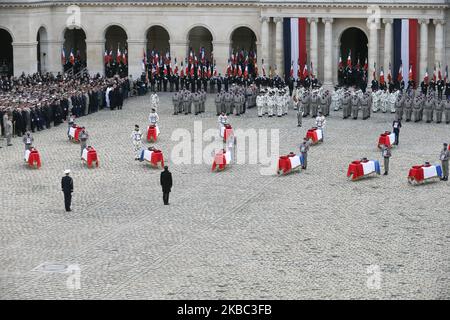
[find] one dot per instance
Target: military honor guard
(386, 153)
(136, 139)
(304, 148)
(83, 137)
(67, 189)
(444, 157)
(28, 140)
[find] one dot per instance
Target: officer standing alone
(67, 188)
(386, 152)
(166, 184)
(304, 148)
(396, 125)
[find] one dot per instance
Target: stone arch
(116, 41)
(248, 29)
(75, 42)
(158, 38)
(200, 36)
(357, 40)
(6, 52)
(42, 49)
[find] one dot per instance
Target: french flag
(381, 76)
(405, 46)
(294, 39)
(72, 57)
(63, 57)
(400, 73)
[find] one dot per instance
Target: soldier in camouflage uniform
(365, 105)
(439, 107)
(346, 105)
(175, 101)
(407, 106)
(355, 106)
(447, 111)
(428, 109)
(218, 102)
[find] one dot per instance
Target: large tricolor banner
(405, 47)
(294, 38)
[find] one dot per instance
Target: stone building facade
(32, 32)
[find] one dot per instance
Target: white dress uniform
(270, 104)
(153, 118)
(260, 104)
(287, 100)
(391, 100)
(136, 138)
(279, 103)
(222, 120)
(376, 101)
(384, 101)
(320, 124)
(335, 100)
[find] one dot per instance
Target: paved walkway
(235, 234)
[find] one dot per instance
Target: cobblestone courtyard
(235, 234)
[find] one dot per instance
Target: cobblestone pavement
(234, 234)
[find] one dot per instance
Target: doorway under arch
(74, 44)
(6, 53)
(355, 40)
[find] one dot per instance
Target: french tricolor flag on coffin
(296, 161)
(370, 167)
(387, 139)
(146, 155)
(221, 159)
(432, 171)
(314, 134)
(405, 46)
(294, 38)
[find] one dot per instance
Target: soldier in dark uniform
(424, 87)
(411, 85)
(440, 87)
(290, 83)
(307, 83)
(219, 81)
(67, 189)
(225, 83)
(340, 76)
(391, 87)
(164, 80)
(176, 81)
(432, 85)
(374, 85)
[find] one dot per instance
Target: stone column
(135, 47)
(25, 57)
(328, 53)
(439, 41)
(373, 46)
(423, 58)
(95, 51)
(51, 62)
(279, 46)
(264, 41)
(387, 44)
(313, 43)
(221, 54)
(178, 49)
